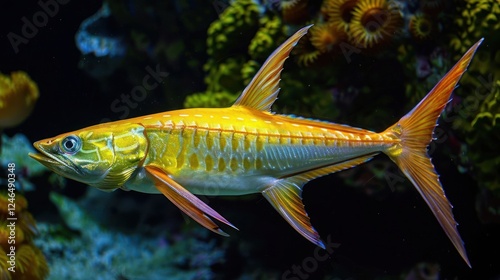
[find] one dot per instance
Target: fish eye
(71, 144)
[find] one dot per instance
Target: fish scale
(241, 145)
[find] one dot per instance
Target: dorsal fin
(263, 90)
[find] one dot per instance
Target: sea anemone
(309, 58)
(325, 36)
(294, 11)
(31, 262)
(4, 266)
(421, 27)
(339, 12)
(18, 95)
(25, 224)
(305, 53)
(374, 22)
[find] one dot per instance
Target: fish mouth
(50, 156)
(51, 161)
(47, 160)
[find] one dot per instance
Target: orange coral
(25, 226)
(325, 36)
(421, 27)
(21, 203)
(4, 265)
(307, 59)
(30, 264)
(306, 54)
(294, 11)
(18, 95)
(339, 12)
(374, 23)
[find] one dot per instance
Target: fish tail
(413, 134)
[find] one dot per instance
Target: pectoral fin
(186, 201)
(286, 197)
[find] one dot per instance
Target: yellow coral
(18, 95)
(325, 37)
(478, 18)
(21, 203)
(30, 263)
(490, 108)
(267, 37)
(249, 70)
(421, 27)
(238, 19)
(305, 53)
(308, 59)
(374, 22)
(5, 233)
(339, 12)
(4, 266)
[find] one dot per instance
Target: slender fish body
(247, 149)
(237, 151)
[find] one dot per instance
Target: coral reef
(476, 18)
(15, 149)
(422, 27)
(238, 20)
(477, 113)
(374, 22)
(357, 30)
(20, 258)
(343, 32)
(18, 95)
(339, 12)
(327, 36)
(83, 245)
(363, 63)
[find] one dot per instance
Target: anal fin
(186, 201)
(286, 197)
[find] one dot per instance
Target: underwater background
(68, 64)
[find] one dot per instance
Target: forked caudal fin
(415, 131)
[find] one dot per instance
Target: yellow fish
(247, 149)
